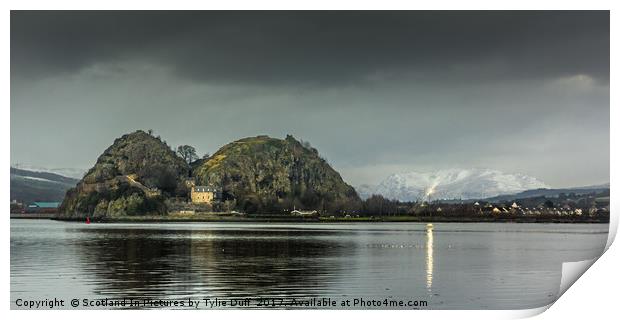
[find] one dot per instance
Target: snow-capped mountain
(451, 184)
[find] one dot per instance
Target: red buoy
(87, 220)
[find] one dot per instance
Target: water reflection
(500, 266)
(429, 257)
(230, 263)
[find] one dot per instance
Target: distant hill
(549, 193)
(29, 186)
(76, 173)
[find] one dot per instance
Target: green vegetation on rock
(263, 174)
(139, 174)
(122, 177)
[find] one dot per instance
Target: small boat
(429, 226)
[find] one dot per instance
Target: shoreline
(281, 219)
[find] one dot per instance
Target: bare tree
(188, 153)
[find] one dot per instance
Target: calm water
(454, 266)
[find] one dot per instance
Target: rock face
(133, 176)
(263, 174)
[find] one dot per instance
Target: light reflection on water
(429, 257)
(453, 266)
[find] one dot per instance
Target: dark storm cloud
(375, 92)
(317, 47)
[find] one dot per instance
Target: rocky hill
(263, 174)
(138, 173)
(121, 180)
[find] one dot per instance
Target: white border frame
(591, 296)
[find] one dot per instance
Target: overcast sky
(375, 92)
